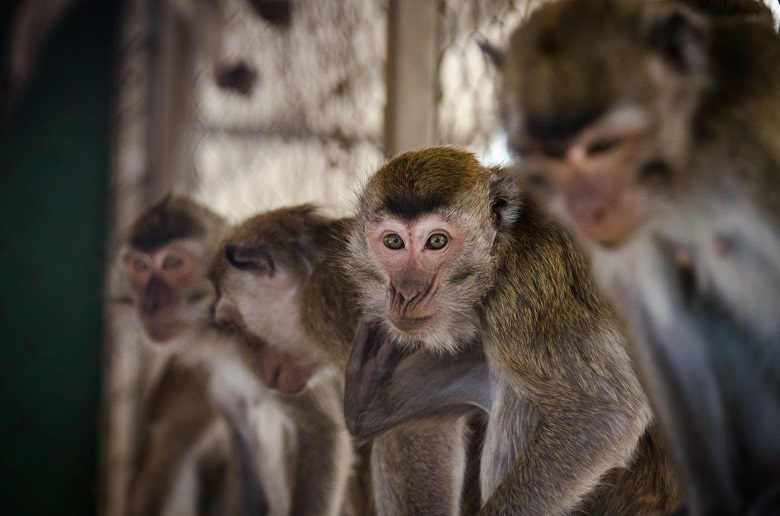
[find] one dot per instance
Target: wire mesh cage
(293, 110)
(466, 101)
(313, 120)
(313, 123)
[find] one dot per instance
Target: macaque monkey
(653, 130)
(259, 275)
(451, 257)
(208, 426)
(282, 284)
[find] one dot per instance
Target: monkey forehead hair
(296, 237)
(175, 217)
(444, 179)
(544, 72)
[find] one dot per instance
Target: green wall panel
(54, 168)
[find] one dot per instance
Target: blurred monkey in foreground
(451, 257)
(653, 130)
(281, 281)
(206, 420)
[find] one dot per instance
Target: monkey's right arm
(417, 418)
(576, 440)
(383, 393)
(431, 455)
(560, 352)
(177, 418)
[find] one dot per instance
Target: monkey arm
(685, 394)
(576, 437)
(431, 455)
(387, 386)
(324, 450)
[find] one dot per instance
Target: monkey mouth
(161, 332)
(408, 324)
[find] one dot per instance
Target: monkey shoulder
(549, 321)
(330, 308)
(546, 277)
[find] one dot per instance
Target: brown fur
(566, 413)
(313, 247)
(698, 276)
(180, 418)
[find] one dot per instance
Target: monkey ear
(678, 37)
(250, 258)
(493, 53)
(504, 198)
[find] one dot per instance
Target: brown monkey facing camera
(654, 130)
(451, 257)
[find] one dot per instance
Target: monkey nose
(405, 293)
(155, 295)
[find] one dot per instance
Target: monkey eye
(140, 265)
(553, 152)
(393, 242)
(436, 242)
(171, 262)
(603, 145)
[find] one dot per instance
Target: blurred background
(248, 105)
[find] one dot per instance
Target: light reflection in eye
(393, 241)
(436, 242)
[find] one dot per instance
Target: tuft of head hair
(422, 181)
(175, 217)
(296, 237)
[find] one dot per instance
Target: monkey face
(424, 296)
(413, 255)
(259, 299)
(422, 247)
(258, 296)
(598, 174)
(607, 119)
(170, 287)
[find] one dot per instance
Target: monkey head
(598, 100)
(421, 248)
(164, 265)
(260, 272)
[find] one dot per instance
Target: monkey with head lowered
(258, 274)
(653, 130)
(281, 282)
(451, 257)
(200, 448)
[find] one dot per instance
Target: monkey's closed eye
(436, 242)
(171, 262)
(603, 145)
(553, 152)
(393, 242)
